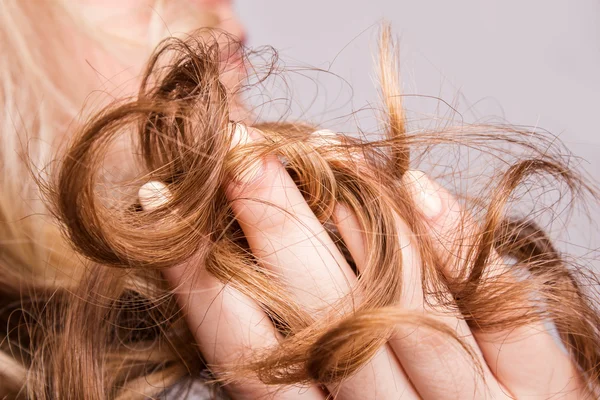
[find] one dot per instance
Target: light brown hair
(118, 333)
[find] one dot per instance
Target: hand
(287, 238)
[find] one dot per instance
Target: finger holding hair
(288, 239)
(528, 360)
(225, 323)
(438, 366)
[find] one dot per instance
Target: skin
(130, 30)
(280, 227)
(289, 240)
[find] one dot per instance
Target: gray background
(530, 62)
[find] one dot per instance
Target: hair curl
(120, 329)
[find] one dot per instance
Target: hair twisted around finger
(121, 325)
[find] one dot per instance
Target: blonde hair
(40, 105)
(118, 333)
(35, 108)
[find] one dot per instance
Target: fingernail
(326, 137)
(426, 196)
(325, 133)
(253, 169)
(153, 194)
(239, 135)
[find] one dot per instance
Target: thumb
(153, 195)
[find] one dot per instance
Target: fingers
(225, 323)
(529, 361)
(288, 239)
(438, 367)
